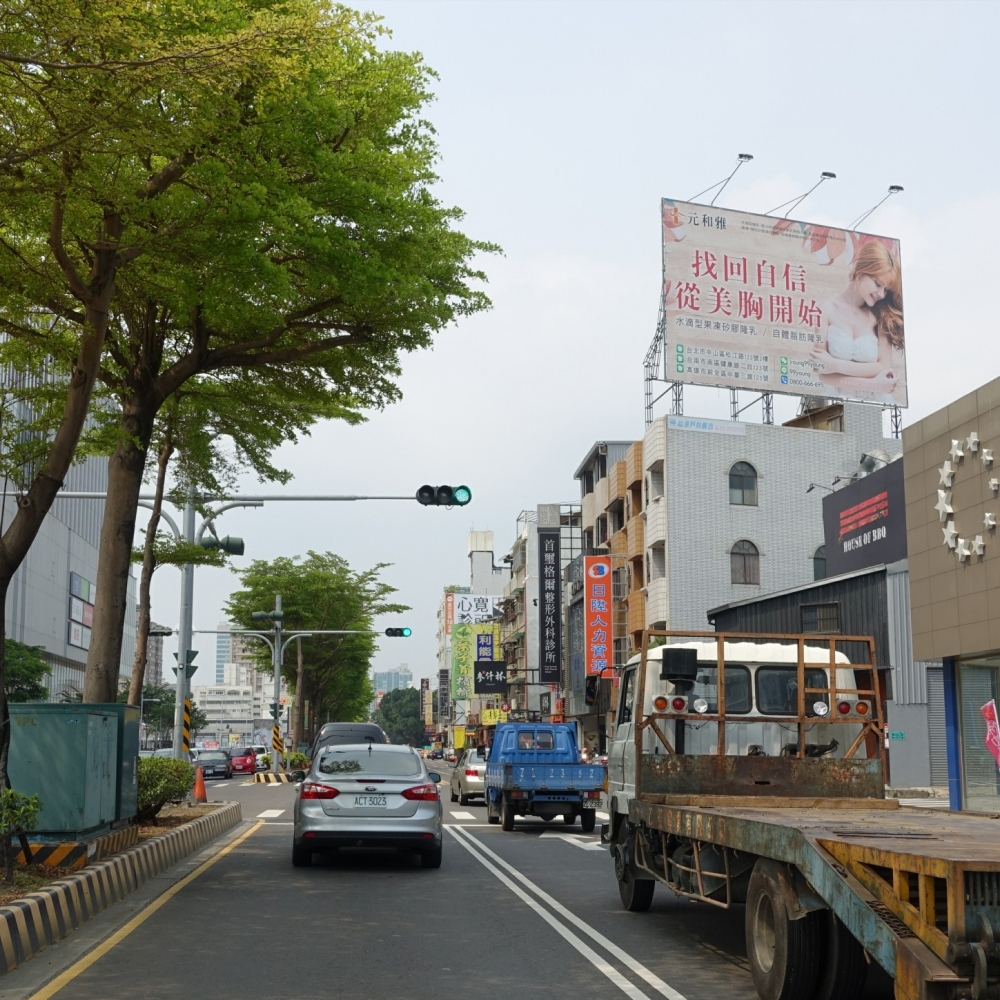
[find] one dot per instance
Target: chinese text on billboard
(597, 614)
(549, 606)
(754, 302)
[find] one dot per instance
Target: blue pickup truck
(534, 769)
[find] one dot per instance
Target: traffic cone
(200, 795)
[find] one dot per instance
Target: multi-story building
(395, 679)
(154, 656)
(519, 632)
(734, 509)
(50, 601)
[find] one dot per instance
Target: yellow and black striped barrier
(277, 743)
(29, 925)
(269, 778)
(77, 853)
(187, 726)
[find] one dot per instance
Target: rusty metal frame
(726, 878)
(870, 726)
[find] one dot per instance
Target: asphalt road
(536, 910)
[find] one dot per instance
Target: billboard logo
(598, 570)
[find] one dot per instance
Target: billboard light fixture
(741, 158)
(893, 189)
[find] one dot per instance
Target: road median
(39, 919)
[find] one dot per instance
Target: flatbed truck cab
(770, 794)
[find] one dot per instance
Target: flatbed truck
(743, 794)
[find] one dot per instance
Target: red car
(243, 760)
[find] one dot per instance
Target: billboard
(864, 524)
(549, 606)
(490, 677)
(597, 619)
(470, 643)
(773, 305)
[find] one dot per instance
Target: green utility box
(80, 759)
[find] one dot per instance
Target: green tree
(158, 712)
(399, 715)
(320, 592)
(26, 672)
(105, 109)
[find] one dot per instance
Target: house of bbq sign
(964, 548)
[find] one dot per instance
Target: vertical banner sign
(992, 741)
(549, 606)
(449, 613)
(597, 614)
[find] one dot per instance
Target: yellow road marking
(81, 965)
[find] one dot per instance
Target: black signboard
(864, 523)
(489, 677)
(549, 606)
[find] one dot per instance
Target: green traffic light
(407, 631)
(462, 495)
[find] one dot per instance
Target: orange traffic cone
(200, 795)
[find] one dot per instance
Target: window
(743, 485)
(778, 690)
(545, 740)
(737, 689)
(335, 760)
(820, 617)
(744, 562)
(529, 740)
(626, 696)
(819, 563)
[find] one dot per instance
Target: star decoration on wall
(956, 452)
(950, 534)
(986, 456)
(978, 545)
(972, 442)
(962, 550)
(946, 475)
(989, 521)
(943, 506)
(995, 485)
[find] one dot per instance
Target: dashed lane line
(462, 815)
(587, 843)
(561, 929)
(623, 956)
(270, 814)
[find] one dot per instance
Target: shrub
(18, 812)
(161, 780)
(298, 760)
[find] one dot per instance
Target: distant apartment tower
(235, 662)
(154, 657)
(397, 679)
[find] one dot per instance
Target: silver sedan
(370, 795)
(467, 780)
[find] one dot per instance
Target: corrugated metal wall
(909, 677)
(862, 608)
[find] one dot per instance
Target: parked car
(164, 752)
(258, 752)
(215, 764)
(368, 795)
(243, 759)
(437, 754)
(339, 733)
(467, 778)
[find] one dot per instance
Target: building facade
(396, 679)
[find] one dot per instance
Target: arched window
(819, 563)
(743, 485)
(744, 562)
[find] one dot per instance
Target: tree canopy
(399, 715)
(320, 592)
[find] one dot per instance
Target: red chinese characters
(597, 611)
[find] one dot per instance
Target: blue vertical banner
(549, 606)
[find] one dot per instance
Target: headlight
(821, 708)
(700, 705)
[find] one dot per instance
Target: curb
(77, 854)
(269, 778)
(29, 925)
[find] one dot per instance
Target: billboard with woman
(774, 305)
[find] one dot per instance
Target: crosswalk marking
(270, 814)
(462, 815)
(583, 842)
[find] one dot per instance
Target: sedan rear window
(212, 755)
(333, 760)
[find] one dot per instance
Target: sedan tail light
(471, 772)
(421, 793)
(314, 790)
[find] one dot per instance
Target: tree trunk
(300, 699)
(125, 470)
(148, 565)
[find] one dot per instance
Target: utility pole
(278, 654)
(184, 635)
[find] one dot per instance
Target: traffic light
(191, 668)
(444, 496)
(229, 543)
(398, 633)
(275, 709)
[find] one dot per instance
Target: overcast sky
(561, 125)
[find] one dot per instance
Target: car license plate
(369, 800)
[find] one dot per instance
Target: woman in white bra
(863, 325)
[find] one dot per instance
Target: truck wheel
(784, 954)
(588, 820)
(636, 894)
(491, 816)
(506, 814)
(569, 818)
(844, 970)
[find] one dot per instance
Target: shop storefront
(952, 487)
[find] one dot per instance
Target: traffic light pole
(184, 637)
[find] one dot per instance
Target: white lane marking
(564, 932)
(462, 815)
(623, 956)
(576, 840)
(278, 822)
(243, 784)
(604, 816)
(270, 814)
